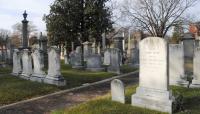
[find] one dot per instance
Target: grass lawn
(13, 89)
(103, 105)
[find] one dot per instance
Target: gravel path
(65, 99)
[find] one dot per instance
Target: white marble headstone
(17, 68)
(54, 75)
(176, 65)
(27, 64)
(196, 68)
(117, 91)
(38, 65)
(106, 57)
(153, 91)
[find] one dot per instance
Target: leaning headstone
(196, 68)
(17, 68)
(27, 64)
(106, 57)
(117, 91)
(38, 65)
(176, 65)
(54, 75)
(115, 58)
(94, 63)
(153, 91)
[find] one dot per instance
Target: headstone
(27, 64)
(153, 91)
(106, 57)
(76, 58)
(176, 65)
(94, 63)
(87, 50)
(117, 91)
(54, 75)
(66, 59)
(134, 60)
(94, 48)
(118, 43)
(17, 68)
(115, 58)
(196, 68)
(188, 43)
(38, 65)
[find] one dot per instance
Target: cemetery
(101, 57)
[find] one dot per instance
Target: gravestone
(27, 64)
(117, 91)
(87, 50)
(176, 65)
(38, 65)
(76, 58)
(94, 63)
(188, 43)
(196, 67)
(153, 91)
(94, 48)
(54, 75)
(106, 57)
(134, 60)
(66, 59)
(118, 43)
(17, 68)
(115, 58)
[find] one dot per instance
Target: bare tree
(156, 16)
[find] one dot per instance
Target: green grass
(13, 89)
(104, 105)
(5, 70)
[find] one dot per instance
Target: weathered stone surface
(153, 91)
(94, 63)
(106, 57)
(134, 60)
(27, 64)
(54, 75)
(176, 65)
(87, 50)
(17, 67)
(76, 58)
(117, 91)
(66, 59)
(115, 58)
(196, 68)
(38, 73)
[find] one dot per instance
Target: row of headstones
(176, 66)
(30, 65)
(153, 91)
(112, 59)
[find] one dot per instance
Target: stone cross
(54, 75)
(117, 91)
(153, 91)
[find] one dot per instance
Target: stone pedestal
(153, 91)
(17, 68)
(94, 63)
(27, 64)
(38, 73)
(54, 75)
(115, 58)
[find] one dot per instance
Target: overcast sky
(11, 12)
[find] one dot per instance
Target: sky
(11, 12)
